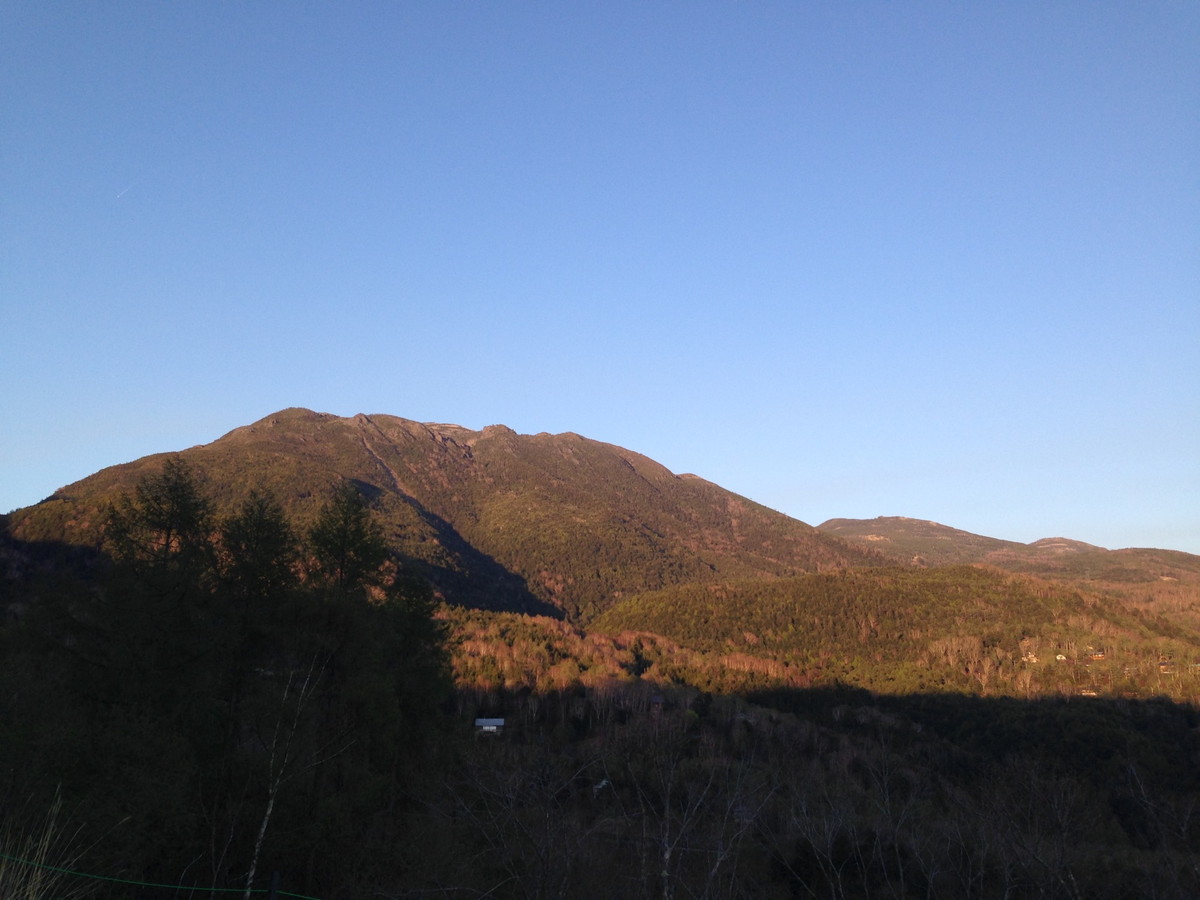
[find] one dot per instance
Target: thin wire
(178, 887)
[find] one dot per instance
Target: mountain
(926, 543)
(917, 541)
(557, 524)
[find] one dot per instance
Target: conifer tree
(347, 545)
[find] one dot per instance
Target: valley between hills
(702, 693)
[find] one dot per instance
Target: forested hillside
(930, 544)
(494, 519)
(1163, 583)
(961, 629)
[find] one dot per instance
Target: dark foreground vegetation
(221, 698)
(215, 700)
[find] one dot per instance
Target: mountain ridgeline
(922, 543)
(553, 524)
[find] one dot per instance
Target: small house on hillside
(489, 726)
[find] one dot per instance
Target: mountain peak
(497, 431)
(1062, 545)
(555, 523)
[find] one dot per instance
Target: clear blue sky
(939, 260)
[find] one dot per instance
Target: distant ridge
(924, 543)
(917, 540)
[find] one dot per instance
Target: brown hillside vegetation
(495, 519)
(1162, 582)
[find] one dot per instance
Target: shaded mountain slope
(494, 518)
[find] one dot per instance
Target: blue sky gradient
(929, 259)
